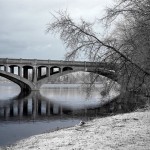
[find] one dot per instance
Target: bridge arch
(24, 84)
(14, 69)
(42, 72)
(3, 67)
(28, 72)
(67, 68)
(55, 70)
(106, 73)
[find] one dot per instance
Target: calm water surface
(51, 108)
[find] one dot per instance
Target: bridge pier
(48, 71)
(6, 68)
(42, 72)
(39, 72)
(34, 75)
(20, 71)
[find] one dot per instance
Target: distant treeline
(80, 77)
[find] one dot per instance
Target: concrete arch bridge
(31, 74)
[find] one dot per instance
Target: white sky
(23, 24)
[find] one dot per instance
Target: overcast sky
(23, 24)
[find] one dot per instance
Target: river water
(55, 106)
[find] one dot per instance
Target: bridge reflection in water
(37, 107)
(23, 116)
(33, 107)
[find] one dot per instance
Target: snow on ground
(121, 132)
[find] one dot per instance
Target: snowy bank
(121, 132)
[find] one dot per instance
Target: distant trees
(127, 44)
(79, 77)
(67, 79)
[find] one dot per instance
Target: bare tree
(133, 35)
(125, 49)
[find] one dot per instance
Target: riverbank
(129, 131)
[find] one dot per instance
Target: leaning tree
(127, 44)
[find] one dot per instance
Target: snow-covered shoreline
(123, 132)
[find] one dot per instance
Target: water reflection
(32, 106)
(54, 107)
(41, 111)
(35, 106)
(9, 91)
